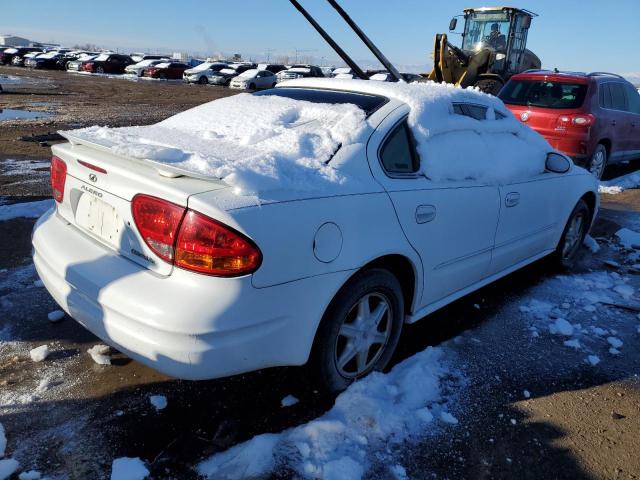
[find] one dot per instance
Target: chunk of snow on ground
(345, 468)
(38, 283)
(591, 244)
(614, 351)
(628, 238)
(527, 394)
(371, 412)
(30, 475)
(38, 354)
(593, 360)
(288, 401)
(99, 354)
(247, 460)
(615, 342)
(126, 468)
(625, 291)
(8, 468)
(3, 441)
(424, 414)
(620, 184)
(601, 332)
(513, 421)
(561, 327)
(573, 343)
(399, 472)
(24, 209)
(158, 401)
(446, 417)
(55, 316)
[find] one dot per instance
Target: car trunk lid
(100, 186)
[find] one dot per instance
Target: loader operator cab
(493, 48)
(502, 30)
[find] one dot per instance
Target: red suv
(594, 118)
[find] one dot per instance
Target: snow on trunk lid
(99, 204)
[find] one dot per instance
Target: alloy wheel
(363, 335)
(573, 236)
(597, 164)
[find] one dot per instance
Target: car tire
(359, 331)
(575, 231)
(203, 80)
(99, 69)
(598, 161)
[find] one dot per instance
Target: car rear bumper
(185, 325)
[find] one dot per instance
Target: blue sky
(569, 34)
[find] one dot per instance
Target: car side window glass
(478, 112)
(618, 100)
(633, 99)
(398, 154)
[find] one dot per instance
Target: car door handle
(613, 122)
(512, 199)
(425, 213)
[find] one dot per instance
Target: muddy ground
(580, 421)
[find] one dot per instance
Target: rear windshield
(368, 103)
(545, 94)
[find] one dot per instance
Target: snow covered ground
(620, 184)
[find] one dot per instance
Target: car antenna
(347, 59)
(367, 41)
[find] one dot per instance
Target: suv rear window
(368, 103)
(544, 94)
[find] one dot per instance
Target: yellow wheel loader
(493, 49)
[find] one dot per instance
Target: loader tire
(489, 85)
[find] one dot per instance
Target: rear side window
(479, 112)
(544, 94)
(612, 96)
(633, 99)
(398, 153)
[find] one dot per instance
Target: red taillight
(207, 246)
(578, 120)
(87, 67)
(157, 221)
(58, 178)
(193, 241)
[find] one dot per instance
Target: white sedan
(254, 79)
(302, 224)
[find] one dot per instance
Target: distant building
(13, 41)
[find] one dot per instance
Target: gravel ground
(71, 417)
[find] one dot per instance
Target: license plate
(99, 218)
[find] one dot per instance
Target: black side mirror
(557, 163)
(526, 22)
(452, 24)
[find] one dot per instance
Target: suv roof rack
(594, 74)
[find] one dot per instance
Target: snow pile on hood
(254, 143)
(374, 412)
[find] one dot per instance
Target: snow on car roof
(162, 65)
(102, 57)
(249, 73)
(254, 143)
(227, 70)
(299, 70)
(511, 149)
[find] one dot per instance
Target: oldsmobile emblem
(524, 116)
(93, 177)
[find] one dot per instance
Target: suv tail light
(58, 177)
(193, 241)
(576, 120)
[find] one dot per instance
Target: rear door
(451, 224)
(613, 119)
(633, 111)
